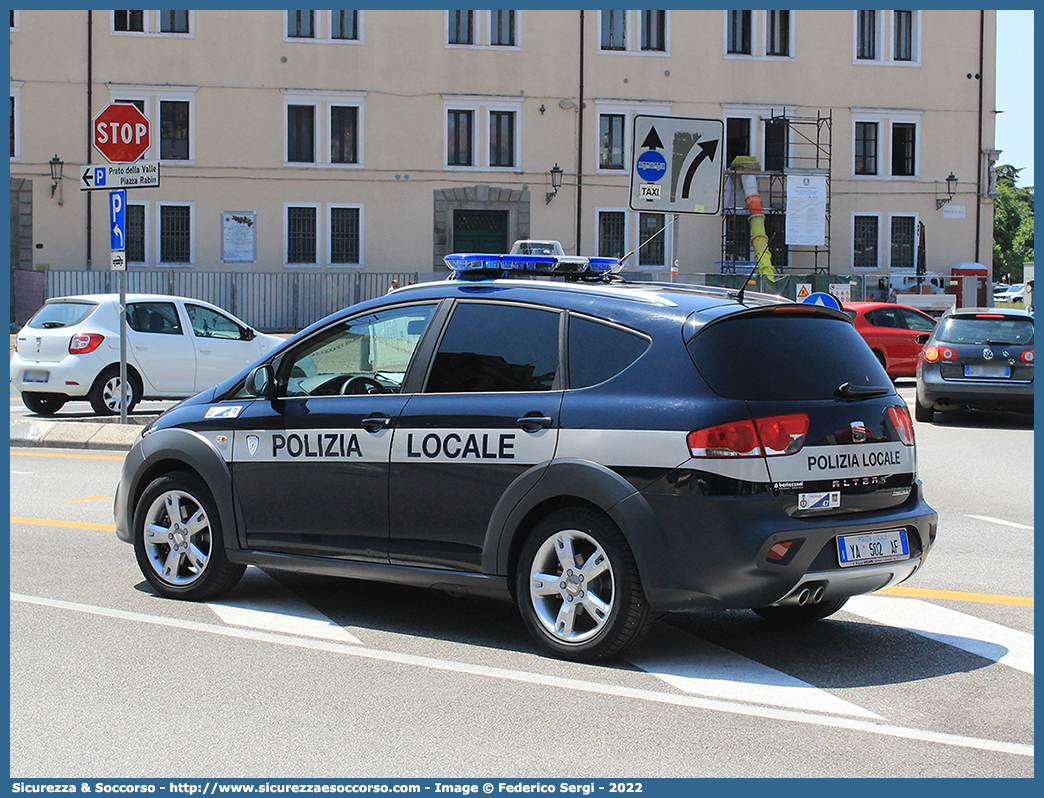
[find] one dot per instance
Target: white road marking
(999, 521)
(703, 668)
(615, 691)
(983, 638)
(271, 607)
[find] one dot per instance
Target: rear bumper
(716, 552)
(73, 375)
(935, 392)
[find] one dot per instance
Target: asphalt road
(294, 676)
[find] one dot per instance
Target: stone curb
(74, 434)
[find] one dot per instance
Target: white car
(1014, 293)
(176, 347)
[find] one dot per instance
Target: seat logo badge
(858, 432)
(252, 443)
(987, 354)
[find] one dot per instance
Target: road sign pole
(122, 276)
(118, 247)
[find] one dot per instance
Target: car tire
(801, 613)
(105, 393)
(880, 359)
(44, 404)
(922, 413)
(178, 540)
(578, 587)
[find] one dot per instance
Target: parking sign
(117, 220)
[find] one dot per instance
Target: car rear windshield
(61, 314)
(986, 330)
(784, 358)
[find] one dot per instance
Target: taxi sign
(822, 298)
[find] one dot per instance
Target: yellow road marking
(87, 499)
(64, 524)
(62, 454)
(954, 595)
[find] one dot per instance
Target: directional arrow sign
(117, 220)
(143, 174)
(686, 176)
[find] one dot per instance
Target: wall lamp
(951, 188)
(56, 175)
(556, 183)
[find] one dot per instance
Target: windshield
(986, 330)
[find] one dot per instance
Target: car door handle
(376, 423)
(533, 422)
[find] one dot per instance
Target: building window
(652, 235)
(902, 23)
(135, 231)
(345, 236)
(737, 138)
(865, 236)
(502, 33)
(175, 234)
(904, 136)
(501, 138)
(739, 32)
(612, 234)
(903, 243)
(14, 128)
(174, 130)
(129, 21)
(300, 24)
(866, 148)
(300, 133)
(461, 27)
(737, 238)
(778, 33)
(866, 35)
(776, 144)
(654, 30)
(344, 129)
(301, 235)
(459, 137)
(344, 25)
(614, 30)
(611, 138)
(174, 21)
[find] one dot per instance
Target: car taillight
(933, 353)
(770, 436)
(1027, 356)
(903, 425)
(82, 343)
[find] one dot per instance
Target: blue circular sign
(822, 298)
(651, 166)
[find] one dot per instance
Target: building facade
(382, 140)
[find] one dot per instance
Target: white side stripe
(976, 636)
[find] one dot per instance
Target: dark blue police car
(599, 451)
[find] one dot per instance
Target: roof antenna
(754, 268)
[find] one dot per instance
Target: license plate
(873, 547)
(994, 371)
(36, 376)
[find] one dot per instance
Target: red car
(895, 333)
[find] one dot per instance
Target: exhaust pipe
(803, 597)
(817, 595)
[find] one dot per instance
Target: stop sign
(121, 132)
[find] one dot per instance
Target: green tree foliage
(1012, 225)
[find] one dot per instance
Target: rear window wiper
(50, 325)
(991, 342)
(849, 393)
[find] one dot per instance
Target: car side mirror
(922, 339)
(259, 381)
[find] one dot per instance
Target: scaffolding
(806, 145)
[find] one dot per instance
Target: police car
(600, 452)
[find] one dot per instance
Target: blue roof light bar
(475, 264)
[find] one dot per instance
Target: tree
(1012, 225)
